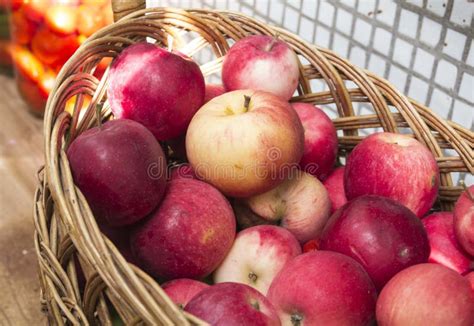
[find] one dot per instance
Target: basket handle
(122, 8)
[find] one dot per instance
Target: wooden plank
(21, 153)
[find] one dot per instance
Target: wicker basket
(66, 231)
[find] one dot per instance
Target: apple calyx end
(296, 319)
(255, 305)
(253, 277)
(247, 99)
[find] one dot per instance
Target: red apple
(263, 63)
(233, 304)
(182, 290)
(426, 294)
(470, 278)
(464, 220)
(323, 288)
(257, 255)
(382, 235)
(159, 89)
(213, 90)
(182, 171)
(320, 140)
(244, 142)
(335, 186)
(189, 235)
(300, 204)
(394, 166)
(121, 170)
(444, 248)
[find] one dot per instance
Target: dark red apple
(323, 288)
(335, 186)
(189, 235)
(182, 171)
(426, 294)
(160, 89)
(182, 290)
(382, 235)
(394, 166)
(261, 62)
(233, 304)
(320, 140)
(464, 220)
(121, 170)
(213, 90)
(444, 247)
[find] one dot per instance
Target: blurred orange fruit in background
(45, 34)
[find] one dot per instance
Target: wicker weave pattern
(65, 226)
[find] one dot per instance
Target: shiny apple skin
(323, 288)
(182, 290)
(155, 87)
(233, 304)
(189, 235)
(394, 166)
(379, 233)
(121, 170)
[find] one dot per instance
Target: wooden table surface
(21, 153)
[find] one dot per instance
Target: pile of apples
(256, 225)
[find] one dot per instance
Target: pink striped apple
(394, 166)
(335, 186)
(445, 249)
(300, 204)
(257, 255)
(263, 63)
(464, 220)
(320, 140)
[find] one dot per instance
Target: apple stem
(466, 189)
(253, 277)
(296, 319)
(256, 305)
(272, 43)
(247, 102)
